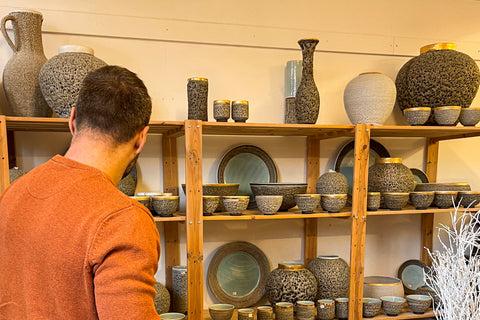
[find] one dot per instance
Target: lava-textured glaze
(165, 206)
(437, 78)
(371, 306)
(179, 289)
(469, 198)
(20, 75)
(392, 305)
(333, 203)
(62, 75)
(15, 173)
(221, 110)
(307, 99)
(421, 199)
(333, 276)
(419, 303)
(290, 282)
(128, 185)
(268, 204)
(341, 308)
(373, 201)
(197, 94)
(332, 182)
(145, 200)
(417, 116)
(307, 202)
(446, 116)
(210, 204)
(325, 309)
(284, 311)
(235, 205)
(396, 200)
(444, 199)
(264, 313)
(217, 189)
(240, 110)
(290, 110)
(287, 190)
(162, 298)
(305, 310)
(469, 117)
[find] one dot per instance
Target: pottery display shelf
(291, 214)
(411, 210)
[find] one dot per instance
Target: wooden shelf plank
(407, 314)
(436, 132)
(179, 216)
(292, 214)
(412, 210)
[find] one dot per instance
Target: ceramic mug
(284, 311)
(325, 309)
(264, 313)
(341, 308)
(305, 310)
(245, 314)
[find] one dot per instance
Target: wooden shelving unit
(194, 131)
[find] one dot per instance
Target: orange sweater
(74, 247)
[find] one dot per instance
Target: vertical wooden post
(359, 216)
(4, 174)
(313, 172)
(194, 218)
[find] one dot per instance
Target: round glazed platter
(237, 274)
(412, 273)
(419, 176)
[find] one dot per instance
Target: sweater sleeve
(124, 258)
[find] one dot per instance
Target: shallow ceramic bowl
(146, 201)
(373, 201)
(221, 311)
(307, 202)
(444, 199)
(210, 204)
(447, 116)
(269, 204)
(469, 198)
(396, 200)
(165, 206)
(287, 190)
(392, 305)
(417, 116)
(421, 199)
(371, 306)
(470, 116)
(419, 303)
(235, 205)
(172, 316)
(333, 203)
(378, 286)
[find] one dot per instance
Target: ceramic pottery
(162, 298)
(371, 307)
(392, 305)
(172, 316)
(246, 314)
(446, 116)
(210, 204)
(373, 201)
(456, 186)
(287, 190)
(197, 94)
(264, 313)
(442, 86)
(217, 189)
(369, 98)
(179, 290)
(470, 116)
(417, 116)
(332, 274)
(290, 110)
(469, 198)
(283, 311)
(421, 199)
(221, 110)
(165, 206)
(444, 199)
(378, 286)
(221, 311)
(15, 173)
(307, 202)
(146, 201)
(268, 204)
(235, 205)
(332, 182)
(61, 77)
(333, 203)
(341, 308)
(290, 282)
(307, 99)
(240, 110)
(128, 184)
(419, 303)
(396, 200)
(20, 75)
(305, 310)
(325, 309)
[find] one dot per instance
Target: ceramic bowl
(421, 199)
(417, 116)
(470, 116)
(172, 316)
(341, 308)
(221, 311)
(378, 286)
(287, 190)
(444, 199)
(396, 200)
(373, 201)
(235, 205)
(217, 189)
(325, 309)
(307, 202)
(371, 306)
(153, 193)
(419, 303)
(449, 186)
(392, 305)
(146, 201)
(333, 203)
(210, 204)
(469, 198)
(426, 290)
(165, 206)
(245, 314)
(268, 204)
(447, 116)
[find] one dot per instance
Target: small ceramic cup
(333, 203)
(373, 201)
(221, 110)
(305, 310)
(371, 306)
(307, 202)
(419, 303)
(268, 204)
(221, 311)
(447, 116)
(421, 200)
(417, 116)
(165, 206)
(392, 305)
(469, 198)
(469, 117)
(240, 110)
(341, 308)
(146, 201)
(283, 311)
(172, 316)
(325, 309)
(246, 314)
(444, 199)
(396, 200)
(210, 204)
(264, 313)
(235, 205)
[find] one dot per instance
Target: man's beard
(130, 166)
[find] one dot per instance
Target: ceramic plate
(412, 273)
(237, 274)
(419, 176)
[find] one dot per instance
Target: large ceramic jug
(20, 76)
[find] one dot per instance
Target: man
(72, 246)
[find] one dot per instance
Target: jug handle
(4, 31)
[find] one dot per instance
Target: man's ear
(140, 139)
(71, 121)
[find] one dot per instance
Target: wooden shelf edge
(412, 210)
(293, 214)
(404, 315)
(176, 217)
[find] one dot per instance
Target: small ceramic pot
(371, 306)
(210, 204)
(264, 313)
(307, 202)
(341, 308)
(305, 310)
(172, 316)
(246, 314)
(421, 200)
(165, 206)
(235, 205)
(283, 311)
(419, 303)
(332, 182)
(444, 199)
(146, 201)
(392, 305)
(373, 201)
(333, 203)
(469, 116)
(325, 309)
(269, 204)
(469, 198)
(221, 110)
(447, 116)
(221, 311)
(417, 116)
(240, 110)
(396, 200)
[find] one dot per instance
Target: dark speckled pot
(371, 306)
(332, 182)
(333, 276)
(421, 199)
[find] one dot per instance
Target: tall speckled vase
(333, 276)
(307, 99)
(197, 94)
(180, 283)
(20, 75)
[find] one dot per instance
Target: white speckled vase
(369, 98)
(180, 281)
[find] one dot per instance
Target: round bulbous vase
(20, 75)
(162, 298)
(332, 182)
(333, 276)
(453, 79)
(290, 282)
(369, 98)
(62, 75)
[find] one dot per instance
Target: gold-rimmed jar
(221, 110)
(373, 201)
(197, 94)
(417, 116)
(447, 115)
(240, 111)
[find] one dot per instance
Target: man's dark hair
(113, 101)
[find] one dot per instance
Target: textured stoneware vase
(62, 75)
(20, 75)
(333, 276)
(332, 182)
(307, 99)
(439, 76)
(180, 282)
(162, 298)
(197, 94)
(369, 98)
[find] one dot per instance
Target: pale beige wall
(242, 48)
